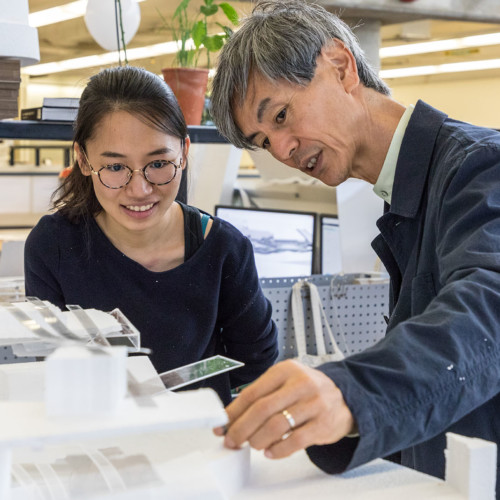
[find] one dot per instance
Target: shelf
(58, 131)
(391, 11)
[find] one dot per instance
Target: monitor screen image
(331, 253)
(283, 241)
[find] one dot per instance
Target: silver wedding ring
(290, 419)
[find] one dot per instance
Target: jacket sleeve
(41, 257)
(248, 332)
(442, 363)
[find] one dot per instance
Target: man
(294, 81)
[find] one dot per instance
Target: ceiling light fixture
(64, 12)
(101, 59)
(171, 47)
(440, 45)
(440, 69)
(77, 9)
(57, 14)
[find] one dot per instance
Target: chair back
(12, 258)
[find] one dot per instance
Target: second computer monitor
(283, 241)
(331, 254)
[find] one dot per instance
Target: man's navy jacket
(438, 368)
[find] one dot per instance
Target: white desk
(170, 451)
(192, 465)
(297, 478)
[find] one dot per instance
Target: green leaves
(184, 28)
(230, 12)
(214, 43)
(199, 33)
(209, 11)
(181, 8)
(227, 30)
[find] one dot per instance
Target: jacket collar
(414, 159)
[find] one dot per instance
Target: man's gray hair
(280, 40)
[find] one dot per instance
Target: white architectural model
(69, 429)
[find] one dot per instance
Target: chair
(12, 258)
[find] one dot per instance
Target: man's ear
(337, 54)
(80, 159)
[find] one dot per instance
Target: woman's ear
(185, 151)
(80, 159)
(338, 55)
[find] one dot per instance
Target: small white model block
(471, 466)
(82, 381)
(230, 468)
(22, 381)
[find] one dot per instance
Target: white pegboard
(355, 312)
(7, 356)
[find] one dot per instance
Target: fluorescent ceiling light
(440, 68)
(440, 45)
(64, 12)
(103, 59)
(171, 48)
(58, 14)
(77, 9)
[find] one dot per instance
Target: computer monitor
(283, 241)
(330, 250)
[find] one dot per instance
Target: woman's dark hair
(124, 88)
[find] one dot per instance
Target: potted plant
(187, 80)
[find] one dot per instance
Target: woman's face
(123, 138)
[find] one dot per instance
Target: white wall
(358, 210)
(32, 93)
(474, 99)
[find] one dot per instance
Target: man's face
(311, 128)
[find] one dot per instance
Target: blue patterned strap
(204, 221)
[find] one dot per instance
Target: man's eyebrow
(262, 107)
(260, 111)
(250, 138)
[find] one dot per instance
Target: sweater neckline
(203, 249)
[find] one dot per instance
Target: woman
(119, 239)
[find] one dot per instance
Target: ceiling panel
(71, 39)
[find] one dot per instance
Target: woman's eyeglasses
(118, 175)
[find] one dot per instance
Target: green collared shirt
(385, 181)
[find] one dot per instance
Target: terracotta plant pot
(189, 86)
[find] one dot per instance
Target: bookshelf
(59, 131)
(213, 165)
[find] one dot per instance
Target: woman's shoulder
(222, 234)
(227, 228)
(56, 220)
(55, 226)
(229, 236)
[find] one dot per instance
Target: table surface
(187, 418)
(297, 478)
